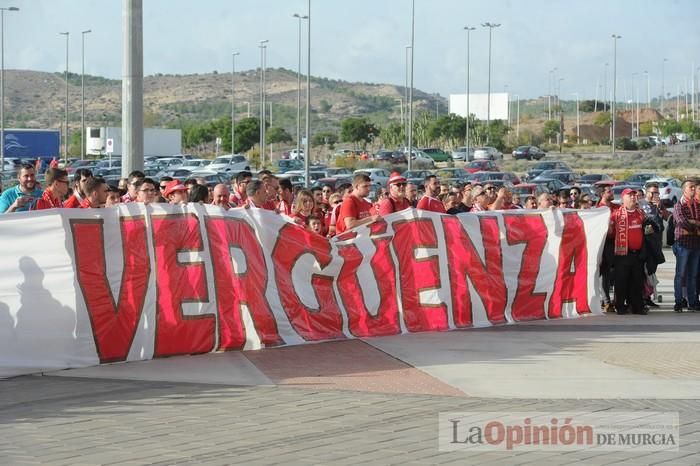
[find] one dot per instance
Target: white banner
(84, 287)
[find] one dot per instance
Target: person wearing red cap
(355, 209)
(396, 200)
(430, 200)
(626, 224)
(175, 192)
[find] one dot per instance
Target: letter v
(113, 325)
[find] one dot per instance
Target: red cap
(396, 178)
(172, 186)
(627, 191)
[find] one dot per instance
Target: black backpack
(671, 231)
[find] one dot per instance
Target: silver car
(487, 153)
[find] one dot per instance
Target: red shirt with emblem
(47, 201)
(73, 202)
(391, 205)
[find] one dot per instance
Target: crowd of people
(633, 247)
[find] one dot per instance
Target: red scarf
(622, 230)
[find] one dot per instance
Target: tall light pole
(517, 117)
(663, 90)
(65, 134)
(410, 90)
(307, 146)
(488, 101)
(262, 47)
(578, 121)
(400, 102)
(648, 89)
(299, 85)
(233, 101)
(405, 91)
(2, 84)
(82, 96)
(605, 86)
(615, 37)
(469, 29)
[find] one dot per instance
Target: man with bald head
(220, 196)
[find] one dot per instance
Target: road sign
(109, 147)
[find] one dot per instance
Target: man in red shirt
(96, 190)
(238, 193)
(430, 200)
(56, 189)
(355, 209)
(135, 179)
(80, 177)
(397, 196)
(286, 197)
(626, 223)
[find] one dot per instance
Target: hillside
(36, 99)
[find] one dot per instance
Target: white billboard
(478, 105)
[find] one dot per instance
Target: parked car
(528, 152)
(384, 155)
(638, 179)
(669, 189)
(176, 172)
(481, 166)
(592, 178)
(421, 159)
(379, 176)
(334, 182)
(437, 155)
(460, 153)
(286, 165)
(539, 167)
(552, 185)
(529, 189)
(229, 163)
(565, 176)
(416, 177)
(452, 175)
(211, 177)
(293, 154)
(194, 164)
(511, 177)
(487, 153)
(337, 171)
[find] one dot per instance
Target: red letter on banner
(571, 283)
(361, 322)
(235, 289)
(177, 283)
(113, 326)
(487, 276)
(418, 274)
(531, 231)
(325, 322)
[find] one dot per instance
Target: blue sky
(365, 40)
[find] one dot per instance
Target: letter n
(486, 276)
(113, 324)
(571, 282)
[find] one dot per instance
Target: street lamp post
(400, 101)
(578, 121)
(410, 90)
(648, 89)
(307, 146)
(82, 96)
(65, 135)
(488, 98)
(300, 17)
(663, 90)
(262, 48)
(615, 37)
(517, 117)
(233, 101)
(2, 84)
(466, 138)
(405, 91)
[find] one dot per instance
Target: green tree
(551, 129)
(276, 135)
(394, 135)
(324, 106)
(601, 119)
(358, 131)
(323, 138)
(247, 134)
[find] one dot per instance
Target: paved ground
(352, 402)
